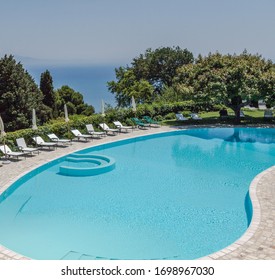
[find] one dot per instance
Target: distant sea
(90, 81)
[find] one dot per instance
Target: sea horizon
(89, 80)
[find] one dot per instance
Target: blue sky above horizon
(101, 32)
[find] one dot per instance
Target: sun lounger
(41, 143)
(261, 105)
(91, 130)
(9, 153)
(57, 140)
(79, 135)
(242, 114)
(195, 117)
(121, 127)
(268, 114)
(107, 129)
(22, 146)
(150, 121)
(140, 124)
(180, 117)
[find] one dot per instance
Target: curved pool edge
(229, 252)
(225, 253)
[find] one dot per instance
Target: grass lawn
(252, 117)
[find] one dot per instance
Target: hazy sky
(115, 31)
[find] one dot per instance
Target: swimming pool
(179, 195)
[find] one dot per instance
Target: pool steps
(103, 164)
(74, 255)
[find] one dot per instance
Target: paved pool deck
(258, 242)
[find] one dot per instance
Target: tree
(74, 101)
(47, 89)
(19, 95)
(149, 74)
(159, 66)
(232, 80)
(128, 85)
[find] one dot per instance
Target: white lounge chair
(57, 140)
(80, 136)
(22, 146)
(180, 117)
(107, 129)
(268, 114)
(41, 143)
(91, 130)
(261, 105)
(9, 153)
(195, 117)
(120, 126)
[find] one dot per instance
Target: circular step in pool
(86, 165)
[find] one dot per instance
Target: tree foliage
(74, 101)
(19, 95)
(128, 85)
(148, 75)
(47, 89)
(159, 66)
(232, 80)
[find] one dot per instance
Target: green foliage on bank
(148, 74)
(161, 112)
(171, 74)
(19, 94)
(163, 81)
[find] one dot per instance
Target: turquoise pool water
(176, 195)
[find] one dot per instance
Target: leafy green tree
(149, 74)
(269, 87)
(159, 66)
(19, 95)
(232, 80)
(47, 89)
(74, 101)
(128, 85)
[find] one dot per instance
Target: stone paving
(257, 243)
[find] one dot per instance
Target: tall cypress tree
(46, 87)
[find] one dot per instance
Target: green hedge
(158, 111)
(59, 127)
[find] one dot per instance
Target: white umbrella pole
(67, 118)
(66, 113)
(134, 107)
(34, 126)
(3, 135)
(102, 108)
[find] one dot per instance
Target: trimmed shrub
(159, 111)
(170, 116)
